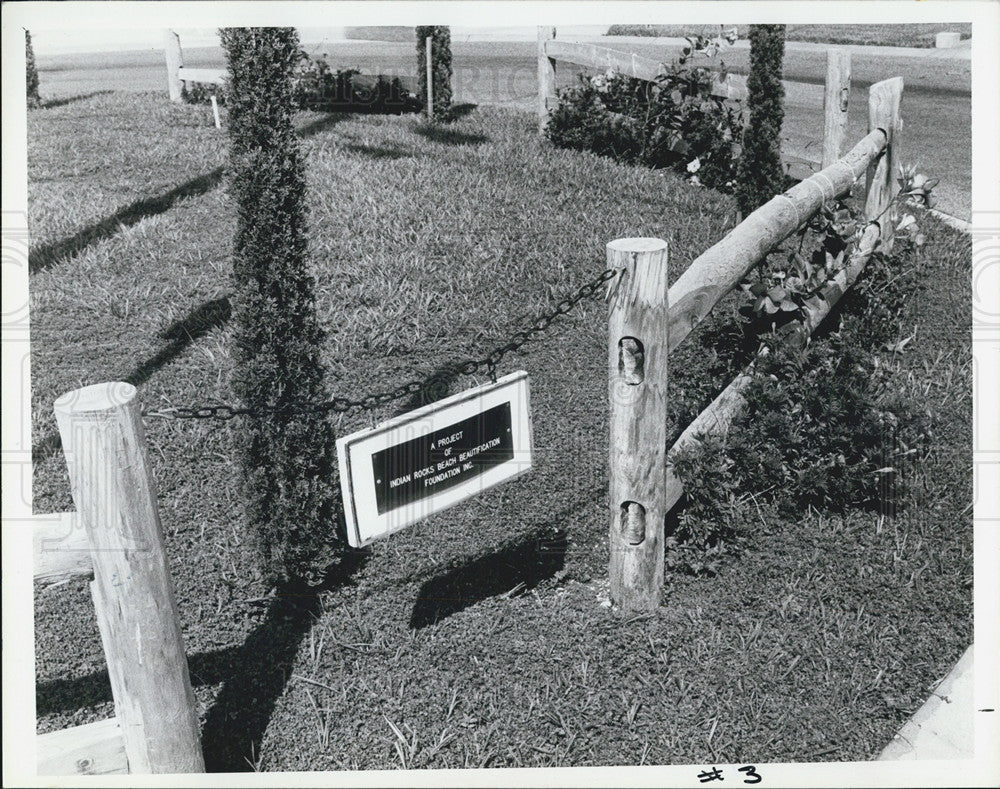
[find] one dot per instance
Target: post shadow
(446, 136)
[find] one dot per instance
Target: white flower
(694, 180)
(694, 165)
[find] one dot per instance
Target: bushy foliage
(315, 86)
(822, 426)
(440, 67)
(31, 72)
(674, 122)
(285, 457)
(760, 174)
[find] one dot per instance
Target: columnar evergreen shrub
(285, 456)
(760, 175)
(440, 67)
(34, 100)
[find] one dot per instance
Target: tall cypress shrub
(286, 458)
(760, 176)
(34, 100)
(440, 67)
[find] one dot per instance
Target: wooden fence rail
(155, 728)
(177, 74)
(833, 96)
(635, 569)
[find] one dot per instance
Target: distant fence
(647, 321)
(177, 75)
(834, 96)
(115, 539)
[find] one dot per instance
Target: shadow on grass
(456, 111)
(179, 335)
(448, 136)
(521, 565)
(254, 674)
(53, 103)
(379, 151)
(48, 255)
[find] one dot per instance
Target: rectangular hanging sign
(427, 460)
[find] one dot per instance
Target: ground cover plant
(482, 637)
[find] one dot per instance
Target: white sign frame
(355, 451)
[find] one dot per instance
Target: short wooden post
(546, 77)
(104, 441)
(637, 350)
(884, 100)
(215, 112)
(172, 49)
(428, 52)
(835, 100)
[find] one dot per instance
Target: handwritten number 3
(752, 775)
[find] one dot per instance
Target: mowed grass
(891, 35)
(481, 637)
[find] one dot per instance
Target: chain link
(340, 405)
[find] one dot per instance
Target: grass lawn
(893, 35)
(481, 637)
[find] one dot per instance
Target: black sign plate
(423, 466)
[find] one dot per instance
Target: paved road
(937, 100)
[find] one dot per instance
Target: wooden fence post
(428, 49)
(546, 77)
(637, 346)
(884, 100)
(835, 102)
(172, 49)
(104, 441)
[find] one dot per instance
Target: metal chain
(340, 405)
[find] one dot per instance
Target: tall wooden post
(884, 100)
(546, 77)
(638, 352)
(835, 102)
(428, 53)
(103, 437)
(172, 50)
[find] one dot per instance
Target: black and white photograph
(501, 393)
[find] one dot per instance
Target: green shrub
(315, 86)
(673, 122)
(31, 71)
(760, 174)
(822, 426)
(285, 457)
(440, 67)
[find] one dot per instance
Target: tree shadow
(48, 255)
(259, 671)
(456, 111)
(520, 566)
(443, 134)
(53, 103)
(179, 335)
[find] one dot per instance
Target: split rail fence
(648, 320)
(115, 538)
(834, 95)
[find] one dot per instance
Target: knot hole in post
(631, 361)
(633, 522)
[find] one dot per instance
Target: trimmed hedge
(440, 67)
(286, 459)
(760, 175)
(34, 100)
